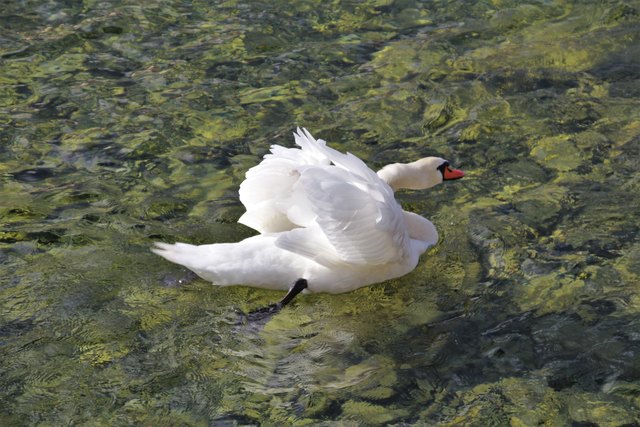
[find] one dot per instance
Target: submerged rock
(369, 413)
(557, 152)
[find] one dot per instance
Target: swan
(327, 223)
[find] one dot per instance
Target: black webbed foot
(264, 312)
(268, 311)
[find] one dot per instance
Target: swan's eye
(443, 167)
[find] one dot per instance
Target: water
(123, 123)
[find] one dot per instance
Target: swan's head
(418, 175)
(433, 170)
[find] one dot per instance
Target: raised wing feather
(266, 192)
(360, 219)
(334, 209)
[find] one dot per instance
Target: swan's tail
(255, 261)
(180, 253)
(208, 261)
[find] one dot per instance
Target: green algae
(558, 153)
(400, 59)
(372, 379)
(122, 125)
(529, 402)
(370, 414)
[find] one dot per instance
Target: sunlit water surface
(126, 122)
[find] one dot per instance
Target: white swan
(328, 223)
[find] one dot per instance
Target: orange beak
(449, 174)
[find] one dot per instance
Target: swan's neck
(406, 175)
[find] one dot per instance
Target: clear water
(125, 122)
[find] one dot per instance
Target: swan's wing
(358, 217)
(268, 187)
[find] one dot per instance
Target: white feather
(324, 216)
